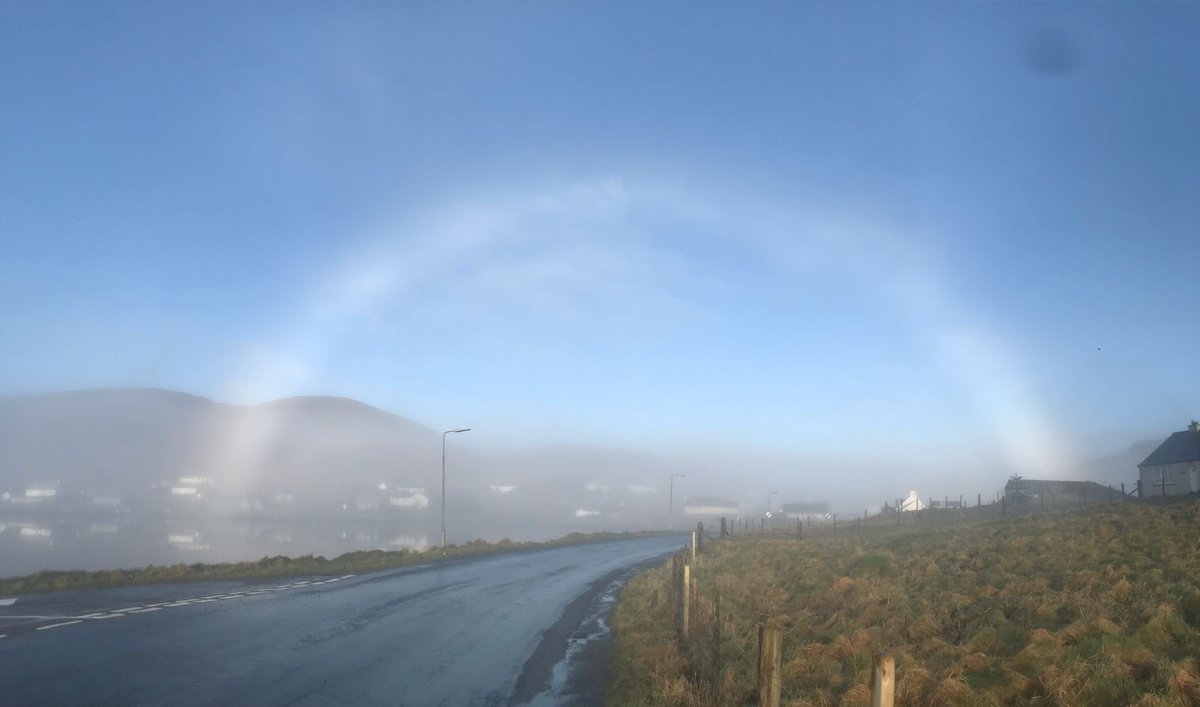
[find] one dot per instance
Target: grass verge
(280, 566)
(1085, 608)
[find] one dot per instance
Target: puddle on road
(574, 681)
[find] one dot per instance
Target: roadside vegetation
(351, 562)
(1091, 607)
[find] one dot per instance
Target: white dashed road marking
(65, 623)
(145, 609)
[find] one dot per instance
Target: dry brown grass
(1075, 609)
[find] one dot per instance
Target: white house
(912, 502)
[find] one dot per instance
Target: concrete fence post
(694, 543)
(883, 690)
(770, 665)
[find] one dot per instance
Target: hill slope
(123, 441)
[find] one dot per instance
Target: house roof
(1180, 447)
(1063, 484)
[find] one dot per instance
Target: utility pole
(463, 429)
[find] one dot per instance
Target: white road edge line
(65, 623)
(146, 611)
(132, 608)
(8, 601)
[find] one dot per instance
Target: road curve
(483, 631)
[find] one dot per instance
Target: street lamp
(464, 429)
(671, 501)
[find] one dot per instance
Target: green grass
(1084, 608)
(352, 562)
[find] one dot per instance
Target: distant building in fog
(911, 502)
(1052, 490)
(805, 511)
(711, 507)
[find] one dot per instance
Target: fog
(127, 477)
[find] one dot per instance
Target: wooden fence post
(770, 665)
(687, 597)
(883, 691)
(724, 532)
(694, 541)
(700, 537)
(677, 589)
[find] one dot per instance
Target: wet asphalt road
(485, 631)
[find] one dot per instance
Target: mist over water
(29, 545)
(123, 478)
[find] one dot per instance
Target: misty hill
(1118, 467)
(123, 441)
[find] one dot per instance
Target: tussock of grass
(351, 562)
(1091, 608)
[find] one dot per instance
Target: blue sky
(962, 228)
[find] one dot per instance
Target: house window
(1162, 476)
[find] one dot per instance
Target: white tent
(913, 502)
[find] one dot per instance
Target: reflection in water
(90, 542)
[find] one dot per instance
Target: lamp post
(464, 429)
(671, 502)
